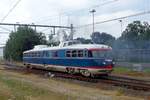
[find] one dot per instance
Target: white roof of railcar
(76, 46)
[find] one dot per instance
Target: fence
(132, 55)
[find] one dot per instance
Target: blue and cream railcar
(87, 59)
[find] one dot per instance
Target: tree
(102, 38)
(136, 35)
(24, 38)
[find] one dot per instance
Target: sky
(76, 12)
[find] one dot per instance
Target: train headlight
(104, 63)
(113, 63)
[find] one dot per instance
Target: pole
(120, 25)
(93, 11)
(71, 33)
(54, 30)
(93, 22)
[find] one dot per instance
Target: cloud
(48, 12)
(112, 27)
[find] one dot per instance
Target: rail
(123, 81)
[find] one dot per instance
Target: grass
(127, 71)
(121, 70)
(12, 89)
(147, 70)
(20, 86)
(120, 92)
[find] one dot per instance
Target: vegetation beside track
(127, 71)
(13, 89)
(28, 86)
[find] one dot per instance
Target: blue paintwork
(67, 61)
(61, 60)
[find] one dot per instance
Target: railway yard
(20, 83)
(75, 50)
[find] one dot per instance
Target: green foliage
(17, 89)
(102, 38)
(121, 69)
(24, 38)
(135, 36)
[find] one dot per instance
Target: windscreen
(101, 54)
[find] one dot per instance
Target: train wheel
(28, 66)
(70, 70)
(85, 73)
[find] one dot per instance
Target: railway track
(121, 81)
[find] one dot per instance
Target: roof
(76, 46)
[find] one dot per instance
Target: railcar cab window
(90, 54)
(100, 53)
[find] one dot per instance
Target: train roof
(76, 46)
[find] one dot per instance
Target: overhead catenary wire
(72, 12)
(5, 29)
(10, 10)
(92, 7)
(114, 19)
(4, 32)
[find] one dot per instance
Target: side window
(44, 53)
(68, 53)
(54, 54)
(74, 53)
(47, 54)
(40, 54)
(85, 53)
(32, 54)
(35, 54)
(80, 53)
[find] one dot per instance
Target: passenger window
(74, 53)
(47, 54)
(54, 54)
(68, 53)
(32, 54)
(85, 53)
(40, 54)
(80, 53)
(35, 54)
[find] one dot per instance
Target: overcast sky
(65, 12)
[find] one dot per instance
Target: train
(71, 57)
